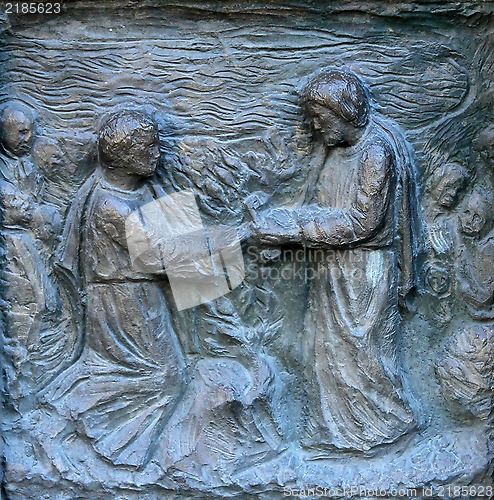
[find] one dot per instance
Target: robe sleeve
(321, 226)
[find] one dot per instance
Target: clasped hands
(272, 227)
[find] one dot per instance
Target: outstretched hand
(276, 227)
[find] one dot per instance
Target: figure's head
(17, 128)
(446, 184)
(128, 141)
(478, 214)
(338, 105)
(484, 143)
(438, 278)
(48, 156)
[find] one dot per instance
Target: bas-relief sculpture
(360, 205)
(128, 333)
(30, 297)
(370, 366)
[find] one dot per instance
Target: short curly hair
(340, 91)
(119, 132)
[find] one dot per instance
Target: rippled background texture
(223, 78)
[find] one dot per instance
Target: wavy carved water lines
(214, 77)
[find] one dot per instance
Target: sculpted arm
(317, 226)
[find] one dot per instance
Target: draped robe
(131, 373)
(361, 208)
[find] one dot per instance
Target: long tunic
(131, 373)
(355, 395)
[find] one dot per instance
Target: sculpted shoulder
(376, 166)
(379, 151)
(110, 213)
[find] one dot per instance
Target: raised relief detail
(361, 209)
(131, 372)
(32, 306)
(465, 369)
(465, 363)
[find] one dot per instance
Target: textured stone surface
(346, 150)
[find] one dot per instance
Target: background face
(448, 189)
(473, 218)
(17, 133)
